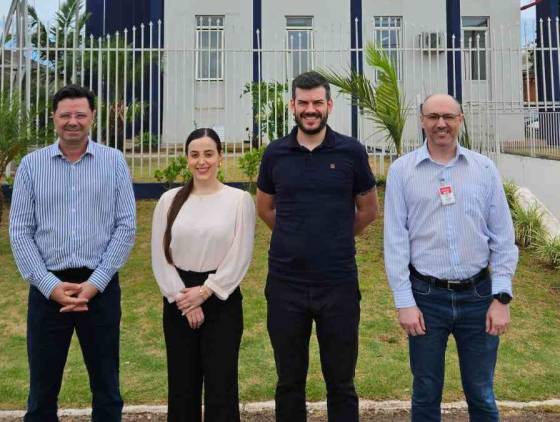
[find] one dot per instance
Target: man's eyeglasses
(434, 117)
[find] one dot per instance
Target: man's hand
(67, 295)
(412, 321)
(195, 318)
(497, 318)
(87, 292)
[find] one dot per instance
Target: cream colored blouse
(211, 232)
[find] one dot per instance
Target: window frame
(218, 51)
(396, 53)
(305, 54)
(474, 52)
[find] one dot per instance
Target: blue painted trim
(94, 24)
(356, 59)
(548, 62)
(548, 9)
(453, 10)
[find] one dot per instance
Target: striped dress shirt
(70, 215)
(450, 242)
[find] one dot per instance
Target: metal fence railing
(151, 94)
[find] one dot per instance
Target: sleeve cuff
(404, 299)
(219, 292)
(500, 285)
(47, 284)
(99, 279)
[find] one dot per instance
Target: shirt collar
(423, 154)
(328, 142)
(56, 152)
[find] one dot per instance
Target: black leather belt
(456, 285)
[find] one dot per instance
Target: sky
(47, 8)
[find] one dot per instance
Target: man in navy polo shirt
(316, 191)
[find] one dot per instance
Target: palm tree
(382, 102)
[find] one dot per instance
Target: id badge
(446, 195)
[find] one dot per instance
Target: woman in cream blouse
(202, 243)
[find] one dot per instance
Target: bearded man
(315, 192)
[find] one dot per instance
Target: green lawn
(528, 366)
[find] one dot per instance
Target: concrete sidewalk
(366, 406)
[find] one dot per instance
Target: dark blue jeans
(335, 308)
(463, 314)
(48, 338)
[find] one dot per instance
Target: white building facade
(216, 50)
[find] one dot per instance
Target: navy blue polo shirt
(314, 193)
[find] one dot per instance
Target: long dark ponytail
(183, 194)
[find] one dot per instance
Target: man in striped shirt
(450, 258)
(72, 226)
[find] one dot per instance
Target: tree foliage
(381, 101)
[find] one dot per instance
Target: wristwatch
(503, 297)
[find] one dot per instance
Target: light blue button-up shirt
(70, 215)
(450, 242)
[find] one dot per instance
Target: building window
(209, 46)
(387, 34)
(299, 44)
(475, 43)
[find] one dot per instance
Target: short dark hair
(73, 91)
(310, 80)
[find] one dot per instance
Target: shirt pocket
(475, 201)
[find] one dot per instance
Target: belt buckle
(453, 283)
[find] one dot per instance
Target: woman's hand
(192, 297)
(195, 318)
(188, 299)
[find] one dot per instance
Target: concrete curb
(388, 406)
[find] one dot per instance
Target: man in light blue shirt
(72, 226)
(450, 257)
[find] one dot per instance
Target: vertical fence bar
(64, 60)
(159, 104)
(108, 104)
(150, 97)
(47, 79)
(142, 105)
(133, 103)
(37, 78)
(116, 106)
(99, 89)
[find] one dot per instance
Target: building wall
(188, 103)
(331, 37)
(540, 176)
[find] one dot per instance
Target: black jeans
(335, 308)
(206, 355)
(48, 338)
